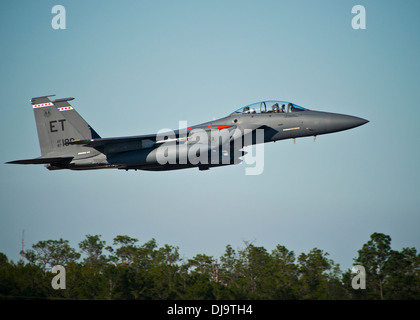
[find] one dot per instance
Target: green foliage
(92, 247)
(147, 271)
(47, 254)
(389, 274)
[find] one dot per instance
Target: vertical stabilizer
(75, 119)
(55, 131)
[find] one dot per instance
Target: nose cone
(340, 122)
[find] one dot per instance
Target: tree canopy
(128, 270)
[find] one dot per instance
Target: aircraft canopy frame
(270, 106)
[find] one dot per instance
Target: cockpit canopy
(271, 107)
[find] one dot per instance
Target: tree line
(149, 271)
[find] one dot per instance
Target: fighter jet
(67, 141)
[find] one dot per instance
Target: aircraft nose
(339, 122)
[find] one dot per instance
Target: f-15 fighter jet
(67, 141)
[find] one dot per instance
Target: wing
(124, 144)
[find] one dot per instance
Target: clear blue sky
(135, 67)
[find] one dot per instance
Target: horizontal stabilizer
(43, 160)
